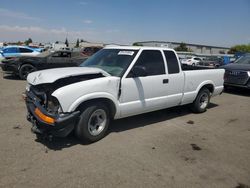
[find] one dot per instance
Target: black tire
(85, 131)
(201, 102)
(226, 88)
(25, 70)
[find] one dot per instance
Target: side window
(172, 63)
(153, 62)
(198, 59)
(25, 50)
(10, 50)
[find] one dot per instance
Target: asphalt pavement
(167, 148)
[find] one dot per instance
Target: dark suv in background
(22, 66)
(89, 51)
(237, 74)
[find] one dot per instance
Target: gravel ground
(167, 148)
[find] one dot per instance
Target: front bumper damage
(61, 124)
(9, 67)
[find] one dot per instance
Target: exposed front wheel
(93, 123)
(25, 70)
(201, 102)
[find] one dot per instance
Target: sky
(210, 22)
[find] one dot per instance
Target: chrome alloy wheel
(204, 100)
(97, 122)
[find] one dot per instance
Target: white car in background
(191, 61)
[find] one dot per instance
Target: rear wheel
(25, 70)
(93, 123)
(201, 102)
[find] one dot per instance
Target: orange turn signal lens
(43, 117)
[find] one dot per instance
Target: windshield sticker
(126, 53)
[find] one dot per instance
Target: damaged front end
(44, 110)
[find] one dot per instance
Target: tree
(27, 42)
(244, 48)
(182, 47)
(66, 42)
(82, 40)
(77, 43)
(137, 44)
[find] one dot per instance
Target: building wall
(87, 44)
(203, 49)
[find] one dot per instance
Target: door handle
(165, 81)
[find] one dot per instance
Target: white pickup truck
(116, 82)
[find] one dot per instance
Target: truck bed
(194, 79)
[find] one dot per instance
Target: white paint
(51, 75)
(138, 95)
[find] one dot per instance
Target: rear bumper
(218, 90)
(62, 126)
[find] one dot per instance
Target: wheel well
(25, 63)
(106, 101)
(210, 87)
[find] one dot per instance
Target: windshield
(243, 60)
(113, 61)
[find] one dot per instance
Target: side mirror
(138, 71)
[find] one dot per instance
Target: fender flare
(207, 82)
(92, 96)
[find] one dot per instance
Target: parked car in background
(89, 51)
(17, 51)
(191, 61)
(1, 57)
(22, 66)
(66, 48)
(213, 62)
(237, 74)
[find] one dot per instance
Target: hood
(236, 66)
(52, 75)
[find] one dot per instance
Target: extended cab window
(153, 62)
(172, 62)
